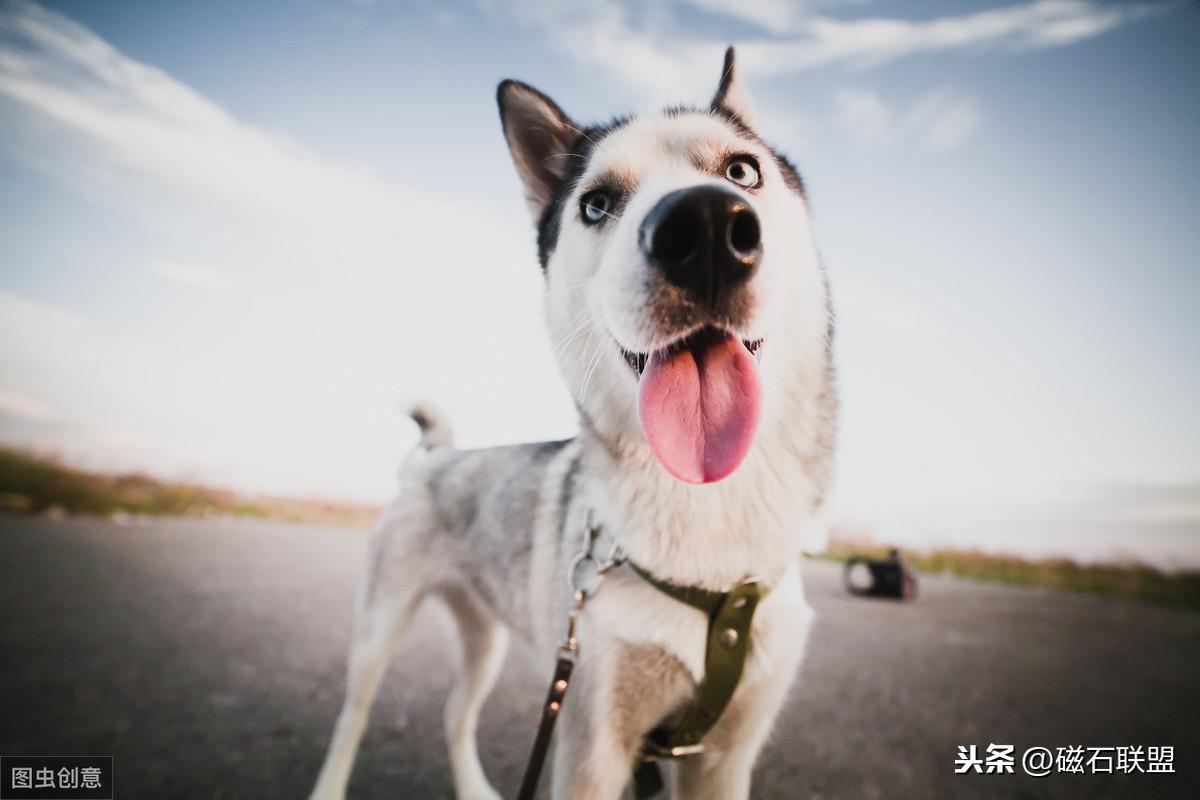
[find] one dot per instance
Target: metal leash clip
(584, 576)
(586, 572)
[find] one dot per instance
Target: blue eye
(743, 171)
(595, 206)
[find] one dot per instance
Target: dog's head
(684, 295)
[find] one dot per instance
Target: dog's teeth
(634, 360)
(755, 348)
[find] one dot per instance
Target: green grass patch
(1130, 581)
(31, 483)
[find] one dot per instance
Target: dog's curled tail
(435, 429)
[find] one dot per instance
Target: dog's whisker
(587, 373)
(601, 342)
(561, 347)
(583, 311)
(609, 214)
(588, 380)
(575, 318)
(582, 326)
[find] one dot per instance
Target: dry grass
(1132, 581)
(32, 483)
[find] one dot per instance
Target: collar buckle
(651, 751)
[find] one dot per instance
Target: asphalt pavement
(208, 658)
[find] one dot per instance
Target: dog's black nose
(706, 240)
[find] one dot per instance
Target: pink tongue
(700, 407)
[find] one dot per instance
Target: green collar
(730, 615)
(704, 600)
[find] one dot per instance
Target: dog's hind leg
(378, 626)
(484, 641)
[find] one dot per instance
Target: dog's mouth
(637, 361)
(699, 402)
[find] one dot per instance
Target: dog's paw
(484, 792)
(326, 794)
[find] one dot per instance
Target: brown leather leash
(584, 577)
(567, 654)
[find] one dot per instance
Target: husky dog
(692, 324)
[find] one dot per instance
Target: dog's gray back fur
(479, 535)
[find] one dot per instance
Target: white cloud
(37, 344)
(16, 403)
(774, 16)
(664, 62)
(939, 119)
(874, 41)
(865, 116)
(375, 294)
(1071, 28)
(147, 122)
(614, 39)
(944, 118)
(199, 276)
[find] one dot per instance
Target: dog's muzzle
(705, 240)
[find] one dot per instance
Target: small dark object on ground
(890, 577)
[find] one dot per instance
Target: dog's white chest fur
(632, 611)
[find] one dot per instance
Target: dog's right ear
(539, 137)
(731, 93)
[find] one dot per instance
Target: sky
(236, 240)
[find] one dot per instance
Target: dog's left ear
(731, 93)
(539, 136)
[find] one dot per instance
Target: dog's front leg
(620, 692)
(723, 771)
(591, 758)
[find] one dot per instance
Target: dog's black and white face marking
(669, 234)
